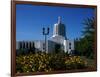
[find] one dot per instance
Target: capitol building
(58, 39)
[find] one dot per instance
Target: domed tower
(59, 29)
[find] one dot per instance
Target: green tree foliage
(85, 45)
(58, 48)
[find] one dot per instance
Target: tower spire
(59, 19)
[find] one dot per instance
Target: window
(69, 45)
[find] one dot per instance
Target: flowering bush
(47, 62)
(75, 62)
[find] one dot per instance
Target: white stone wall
(70, 46)
(40, 44)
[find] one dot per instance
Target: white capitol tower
(59, 29)
(58, 37)
(59, 32)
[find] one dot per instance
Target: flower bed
(42, 62)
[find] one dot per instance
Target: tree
(58, 48)
(85, 45)
(89, 24)
(88, 36)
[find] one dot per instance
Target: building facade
(58, 39)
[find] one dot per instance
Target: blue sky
(30, 19)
